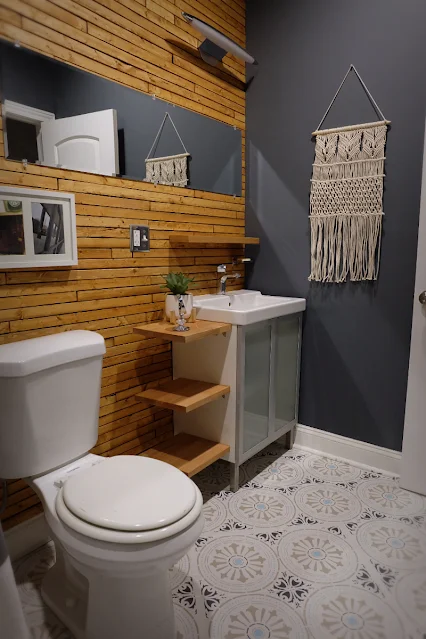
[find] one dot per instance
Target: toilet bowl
(111, 574)
(119, 524)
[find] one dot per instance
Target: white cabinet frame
(220, 359)
(240, 455)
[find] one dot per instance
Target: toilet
(119, 524)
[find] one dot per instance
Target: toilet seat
(130, 493)
(129, 499)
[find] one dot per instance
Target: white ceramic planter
(172, 304)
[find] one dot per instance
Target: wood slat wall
(143, 44)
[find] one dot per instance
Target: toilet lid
(130, 493)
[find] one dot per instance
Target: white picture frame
(40, 229)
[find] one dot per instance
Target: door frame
(412, 453)
(25, 113)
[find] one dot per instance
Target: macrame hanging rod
(166, 115)
(364, 86)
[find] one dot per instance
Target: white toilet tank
(49, 401)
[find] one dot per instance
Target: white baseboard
(351, 450)
(26, 537)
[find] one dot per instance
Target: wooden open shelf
(183, 394)
(197, 330)
(188, 453)
(204, 238)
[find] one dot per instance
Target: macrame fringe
(345, 246)
(171, 170)
(346, 204)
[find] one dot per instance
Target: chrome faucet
(221, 290)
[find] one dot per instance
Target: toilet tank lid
(32, 355)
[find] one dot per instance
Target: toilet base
(102, 607)
(57, 596)
(65, 592)
(103, 590)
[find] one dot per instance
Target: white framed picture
(37, 228)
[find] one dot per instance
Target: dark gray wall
(356, 335)
(215, 148)
(27, 79)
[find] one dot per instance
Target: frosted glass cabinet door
(286, 369)
(256, 386)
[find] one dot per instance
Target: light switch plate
(139, 238)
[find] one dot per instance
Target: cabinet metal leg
(290, 438)
(235, 477)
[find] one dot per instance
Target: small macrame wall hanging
(346, 198)
(172, 169)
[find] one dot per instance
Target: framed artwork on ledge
(37, 228)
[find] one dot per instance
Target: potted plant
(178, 284)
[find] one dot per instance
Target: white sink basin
(246, 307)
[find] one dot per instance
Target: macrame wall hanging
(172, 169)
(346, 198)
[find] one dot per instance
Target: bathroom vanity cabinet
(260, 363)
(235, 379)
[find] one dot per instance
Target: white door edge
(413, 467)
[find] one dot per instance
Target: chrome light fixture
(216, 45)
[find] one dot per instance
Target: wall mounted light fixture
(216, 45)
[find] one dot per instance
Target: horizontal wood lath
(145, 45)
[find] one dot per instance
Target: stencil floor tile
(308, 548)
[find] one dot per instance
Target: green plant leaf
(177, 283)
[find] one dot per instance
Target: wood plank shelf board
(197, 330)
(183, 394)
(188, 453)
(202, 238)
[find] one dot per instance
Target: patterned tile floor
(308, 548)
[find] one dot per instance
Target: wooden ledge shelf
(188, 453)
(183, 394)
(197, 330)
(203, 238)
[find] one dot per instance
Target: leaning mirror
(57, 115)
